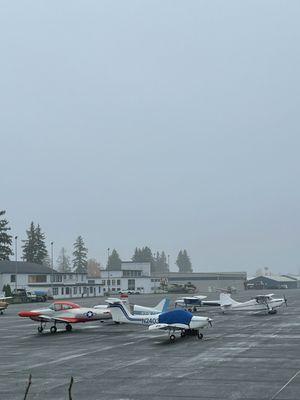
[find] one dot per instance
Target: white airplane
(162, 306)
(265, 302)
(193, 302)
(170, 321)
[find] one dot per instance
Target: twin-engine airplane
(192, 303)
(64, 312)
(170, 321)
(265, 302)
(3, 304)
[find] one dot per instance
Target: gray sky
(171, 124)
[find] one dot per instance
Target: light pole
(108, 282)
(169, 261)
(51, 244)
(16, 262)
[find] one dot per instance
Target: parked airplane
(170, 321)
(64, 312)
(3, 304)
(162, 306)
(193, 302)
(265, 302)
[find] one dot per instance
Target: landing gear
(172, 338)
(53, 329)
(183, 333)
(68, 327)
(200, 335)
(1, 312)
(40, 329)
(272, 312)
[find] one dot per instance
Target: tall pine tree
(34, 248)
(114, 261)
(80, 256)
(183, 262)
(63, 261)
(5, 238)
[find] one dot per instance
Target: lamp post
(107, 266)
(169, 261)
(16, 262)
(52, 280)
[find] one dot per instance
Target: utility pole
(52, 277)
(16, 262)
(108, 280)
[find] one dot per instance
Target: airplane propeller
(285, 300)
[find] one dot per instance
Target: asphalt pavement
(243, 356)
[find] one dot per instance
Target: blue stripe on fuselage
(118, 305)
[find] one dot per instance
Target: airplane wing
(46, 318)
(166, 327)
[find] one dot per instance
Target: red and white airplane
(64, 312)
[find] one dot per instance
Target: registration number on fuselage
(149, 321)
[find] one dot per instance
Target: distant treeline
(34, 249)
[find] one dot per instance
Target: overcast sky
(172, 124)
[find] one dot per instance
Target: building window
(91, 290)
(103, 281)
(13, 278)
(113, 282)
(37, 278)
(70, 277)
(118, 282)
(62, 291)
(108, 282)
(82, 278)
(55, 291)
(67, 290)
(99, 289)
(131, 284)
(75, 290)
(79, 289)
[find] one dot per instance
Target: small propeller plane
(193, 302)
(64, 312)
(3, 304)
(162, 306)
(264, 302)
(170, 321)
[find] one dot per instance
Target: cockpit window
(66, 307)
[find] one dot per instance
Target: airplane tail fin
(163, 305)
(226, 300)
(119, 311)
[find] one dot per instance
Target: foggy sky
(171, 124)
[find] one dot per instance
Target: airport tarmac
(243, 356)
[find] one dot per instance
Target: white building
(30, 276)
(132, 276)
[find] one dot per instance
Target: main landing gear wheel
(53, 329)
(68, 327)
(172, 338)
(40, 329)
(200, 335)
(273, 312)
(183, 333)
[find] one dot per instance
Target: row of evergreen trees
(35, 250)
(158, 261)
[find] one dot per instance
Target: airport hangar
(274, 282)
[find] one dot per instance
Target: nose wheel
(200, 335)
(172, 338)
(68, 327)
(40, 329)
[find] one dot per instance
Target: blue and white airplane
(170, 321)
